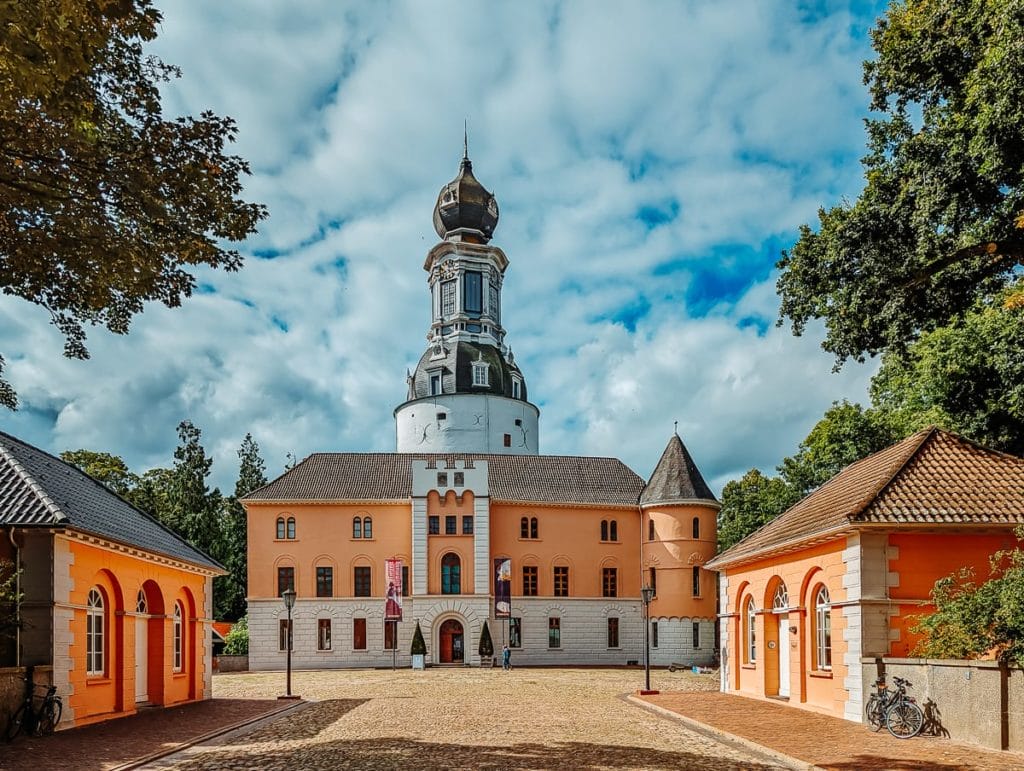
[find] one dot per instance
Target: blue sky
(650, 159)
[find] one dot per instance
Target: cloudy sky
(650, 160)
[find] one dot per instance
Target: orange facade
(677, 541)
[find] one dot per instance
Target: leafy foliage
(418, 647)
(104, 203)
(486, 648)
(251, 475)
(10, 597)
(749, 503)
(973, 620)
(939, 222)
(109, 469)
(237, 641)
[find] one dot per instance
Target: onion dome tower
(466, 394)
(679, 515)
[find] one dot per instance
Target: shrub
(419, 648)
(486, 646)
(237, 641)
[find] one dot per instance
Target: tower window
(447, 298)
(696, 527)
(460, 479)
(435, 384)
(442, 479)
(508, 440)
(492, 303)
(480, 373)
(517, 388)
(472, 288)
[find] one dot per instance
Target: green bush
(237, 641)
(486, 646)
(419, 648)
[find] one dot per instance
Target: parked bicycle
(894, 709)
(32, 721)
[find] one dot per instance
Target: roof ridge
(926, 434)
(58, 513)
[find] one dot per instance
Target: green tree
(749, 503)
(972, 620)
(251, 475)
(486, 647)
(105, 203)
(237, 641)
(418, 647)
(10, 597)
(110, 470)
(939, 221)
(153, 494)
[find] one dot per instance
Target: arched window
(357, 527)
(177, 637)
(604, 529)
(823, 629)
(141, 606)
(280, 528)
(533, 527)
(696, 528)
(451, 574)
(751, 631)
(95, 628)
(524, 528)
(291, 527)
(613, 530)
(781, 599)
(367, 527)
(650, 530)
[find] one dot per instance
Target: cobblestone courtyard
(466, 718)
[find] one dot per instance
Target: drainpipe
(17, 596)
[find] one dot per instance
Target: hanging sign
(502, 587)
(393, 601)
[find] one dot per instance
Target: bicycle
(36, 722)
(898, 712)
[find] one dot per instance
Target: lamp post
(647, 594)
(288, 595)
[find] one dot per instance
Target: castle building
(467, 494)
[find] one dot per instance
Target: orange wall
(568, 536)
(674, 553)
(120, 576)
(440, 545)
(801, 571)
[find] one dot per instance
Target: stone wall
(12, 689)
(969, 701)
(231, 663)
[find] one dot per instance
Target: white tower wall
(470, 423)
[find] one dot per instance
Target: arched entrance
(451, 642)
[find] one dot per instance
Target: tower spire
(465, 139)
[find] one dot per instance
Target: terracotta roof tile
(932, 476)
(388, 476)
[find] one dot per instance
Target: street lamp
(647, 594)
(288, 595)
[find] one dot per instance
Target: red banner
(393, 601)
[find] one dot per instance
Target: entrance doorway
(141, 648)
(451, 642)
(784, 655)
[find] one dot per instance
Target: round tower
(467, 394)
(679, 516)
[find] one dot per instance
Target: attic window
(435, 384)
(517, 388)
(442, 479)
(480, 373)
(460, 479)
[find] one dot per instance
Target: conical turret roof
(676, 478)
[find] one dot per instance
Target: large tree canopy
(105, 203)
(940, 221)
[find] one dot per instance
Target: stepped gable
(931, 477)
(388, 477)
(40, 490)
(676, 478)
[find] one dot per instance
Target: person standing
(506, 658)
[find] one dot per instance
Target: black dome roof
(465, 203)
(455, 365)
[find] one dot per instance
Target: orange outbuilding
(116, 603)
(811, 599)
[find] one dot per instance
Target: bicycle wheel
(16, 724)
(49, 716)
(873, 712)
(904, 720)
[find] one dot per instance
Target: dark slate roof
(676, 477)
(456, 367)
(931, 477)
(465, 203)
(37, 489)
(388, 476)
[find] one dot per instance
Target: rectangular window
(654, 580)
(362, 582)
(561, 581)
(435, 385)
(460, 478)
(325, 582)
(359, 634)
(390, 635)
(94, 637)
(323, 634)
(554, 632)
(654, 634)
(613, 633)
(472, 288)
(610, 582)
(434, 524)
(529, 581)
(450, 523)
(507, 440)
(492, 303)
(467, 525)
(517, 389)
(696, 581)
(442, 479)
(447, 298)
(696, 634)
(285, 580)
(284, 634)
(405, 580)
(480, 375)
(515, 633)
(696, 527)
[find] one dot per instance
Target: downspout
(17, 598)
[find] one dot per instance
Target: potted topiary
(486, 648)
(419, 648)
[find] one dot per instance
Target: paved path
(466, 718)
(828, 742)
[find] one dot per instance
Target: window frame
(324, 580)
(451, 573)
(323, 643)
(285, 634)
(96, 633)
(473, 293)
(434, 524)
(695, 582)
(695, 635)
(604, 529)
(282, 571)
(467, 524)
(749, 632)
(609, 581)
(531, 580)
(822, 630)
(696, 528)
(613, 632)
(362, 581)
(654, 634)
(515, 632)
(291, 529)
(367, 527)
(359, 634)
(357, 527)
(451, 524)
(560, 581)
(650, 529)
(613, 530)
(178, 645)
(390, 634)
(653, 575)
(534, 529)
(554, 632)
(279, 532)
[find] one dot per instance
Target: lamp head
(647, 593)
(288, 595)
